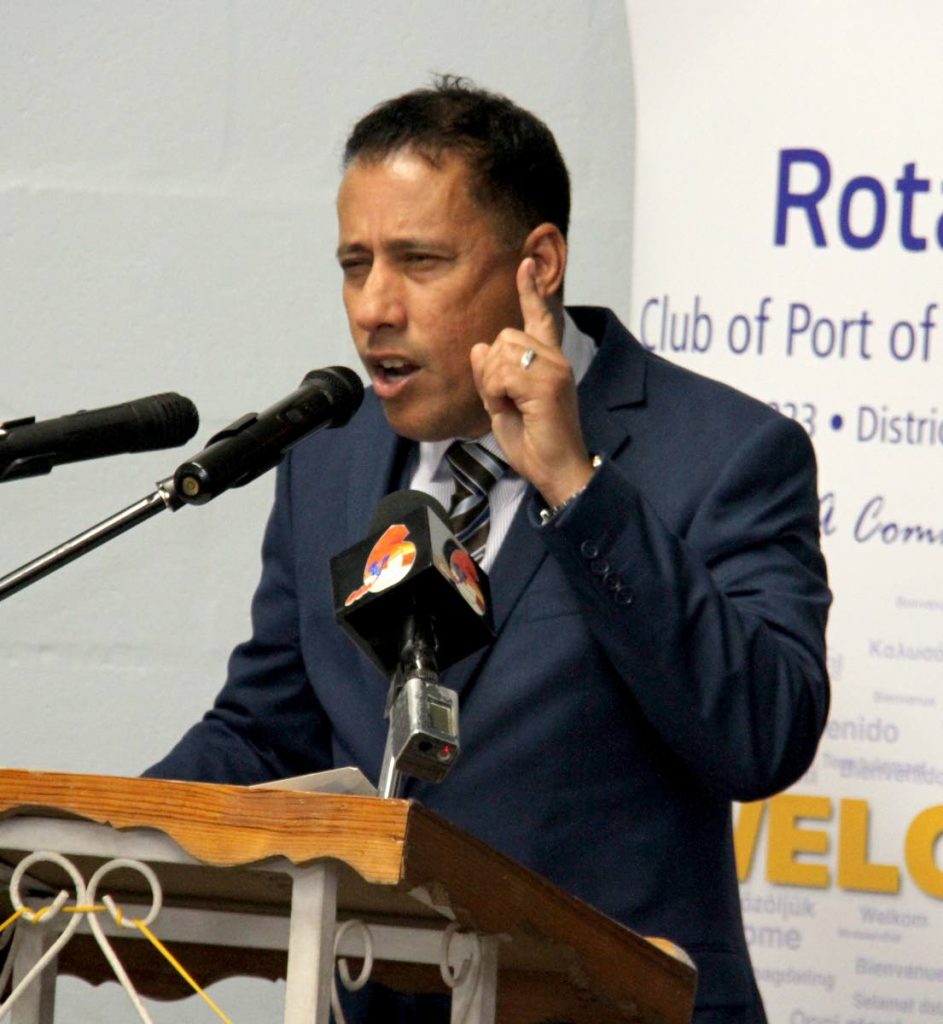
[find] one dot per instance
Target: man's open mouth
(391, 376)
(394, 369)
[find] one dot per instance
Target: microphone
(409, 574)
(412, 598)
(28, 448)
(256, 442)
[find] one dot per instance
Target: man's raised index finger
(539, 321)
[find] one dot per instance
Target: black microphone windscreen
(159, 421)
(164, 420)
(344, 389)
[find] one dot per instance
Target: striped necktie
(475, 471)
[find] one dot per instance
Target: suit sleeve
(719, 633)
(266, 722)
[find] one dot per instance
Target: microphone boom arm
(164, 497)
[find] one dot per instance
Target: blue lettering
(907, 185)
(870, 511)
(870, 524)
(862, 184)
(662, 333)
(827, 514)
(644, 321)
(867, 423)
(808, 201)
(813, 169)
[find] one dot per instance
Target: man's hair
(515, 167)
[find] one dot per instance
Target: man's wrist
(550, 512)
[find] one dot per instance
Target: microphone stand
(417, 659)
(163, 498)
(422, 739)
(390, 782)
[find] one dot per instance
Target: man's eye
(351, 268)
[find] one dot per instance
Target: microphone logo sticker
(464, 573)
(389, 561)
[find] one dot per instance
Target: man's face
(427, 275)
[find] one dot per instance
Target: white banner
(789, 240)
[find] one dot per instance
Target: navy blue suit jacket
(660, 652)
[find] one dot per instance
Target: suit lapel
(381, 458)
(614, 383)
(519, 558)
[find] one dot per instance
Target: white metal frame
(310, 935)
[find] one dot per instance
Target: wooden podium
(260, 883)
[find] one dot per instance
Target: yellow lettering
(787, 840)
(854, 869)
(922, 836)
(745, 835)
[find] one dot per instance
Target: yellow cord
(175, 963)
(35, 917)
(15, 916)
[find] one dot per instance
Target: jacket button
(623, 596)
(613, 581)
(599, 567)
(589, 550)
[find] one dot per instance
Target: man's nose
(379, 302)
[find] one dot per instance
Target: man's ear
(548, 248)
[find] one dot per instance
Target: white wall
(167, 176)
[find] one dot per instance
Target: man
(659, 593)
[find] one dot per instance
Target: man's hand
(533, 409)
